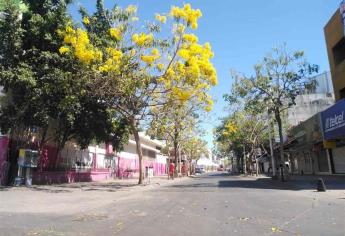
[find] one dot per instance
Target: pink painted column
(3, 157)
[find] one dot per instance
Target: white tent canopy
(203, 161)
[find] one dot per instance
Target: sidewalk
(75, 197)
(332, 182)
(110, 185)
(303, 182)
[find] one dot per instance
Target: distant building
(335, 40)
(312, 100)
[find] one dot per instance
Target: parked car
(199, 170)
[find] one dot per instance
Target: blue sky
(242, 32)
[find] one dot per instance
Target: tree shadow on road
(67, 188)
(267, 183)
(4, 188)
(295, 183)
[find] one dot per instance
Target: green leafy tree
(44, 89)
(242, 133)
(280, 77)
(195, 147)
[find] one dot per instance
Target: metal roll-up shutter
(339, 160)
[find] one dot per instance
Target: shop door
(308, 163)
(339, 160)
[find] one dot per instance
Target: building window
(339, 52)
(152, 154)
(342, 93)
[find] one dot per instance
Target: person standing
(171, 170)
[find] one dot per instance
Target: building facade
(333, 126)
(304, 147)
(333, 118)
(305, 150)
(335, 40)
(313, 100)
(97, 162)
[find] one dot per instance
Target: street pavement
(208, 204)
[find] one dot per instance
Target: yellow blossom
(161, 19)
(230, 127)
(132, 52)
(114, 53)
(160, 66)
(131, 9)
(110, 65)
(64, 50)
(115, 33)
(148, 59)
(184, 54)
(82, 48)
(155, 52)
(69, 29)
(191, 38)
(181, 94)
(181, 28)
(86, 20)
(142, 39)
(189, 15)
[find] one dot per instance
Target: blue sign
(333, 121)
(342, 12)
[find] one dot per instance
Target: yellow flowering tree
(242, 133)
(176, 123)
(133, 69)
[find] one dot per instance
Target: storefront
(333, 126)
(305, 149)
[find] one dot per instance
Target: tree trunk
(139, 151)
(271, 150)
(60, 146)
(232, 164)
(176, 159)
(281, 141)
(244, 160)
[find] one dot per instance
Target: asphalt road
(210, 204)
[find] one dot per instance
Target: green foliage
(278, 80)
(250, 132)
(43, 88)
(195, 147)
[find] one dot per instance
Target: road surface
(209, 204)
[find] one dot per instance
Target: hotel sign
(333, 121)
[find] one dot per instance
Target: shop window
(339, 52)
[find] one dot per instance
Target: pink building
(98, 162)
(128, 162)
